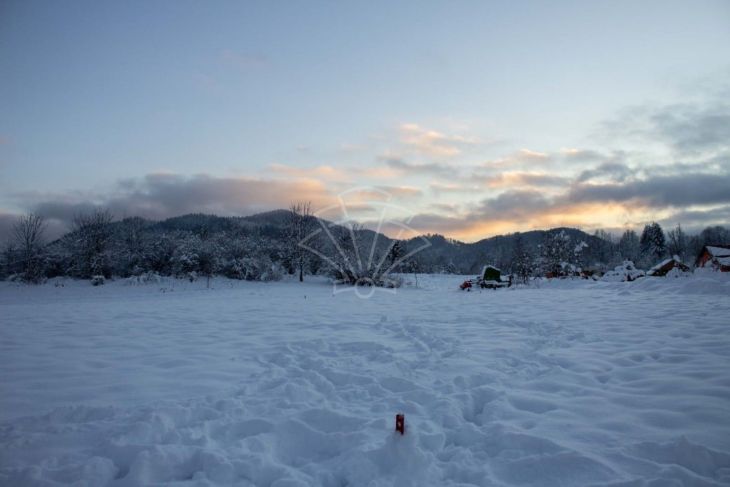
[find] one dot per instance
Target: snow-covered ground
(574, 383)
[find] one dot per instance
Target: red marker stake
(400, 423)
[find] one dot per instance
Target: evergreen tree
(653, 244)
(395, 252)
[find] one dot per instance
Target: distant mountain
(453, 255)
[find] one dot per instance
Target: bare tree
(677, 242)
(28, 239)
(299, 225)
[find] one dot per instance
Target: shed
(716, 257)
(667, 266)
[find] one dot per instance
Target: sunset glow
(486, 131)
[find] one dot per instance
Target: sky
(470, 119)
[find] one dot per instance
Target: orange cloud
(473, 226)
(431, 142)
(324, 172)
(525, 179)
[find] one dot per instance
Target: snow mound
(624, 272)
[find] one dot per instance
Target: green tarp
(491, 273)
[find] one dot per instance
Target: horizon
(57, 233)
(477, 120)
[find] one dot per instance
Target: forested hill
(263, 246)
(455, 256)
(442, 255)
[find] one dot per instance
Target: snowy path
(283, 384)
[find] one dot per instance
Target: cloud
(52, 229)
(7, 220)
(515, 205)
(452, 188)
(243, 61)
(533, 155)
(692, 129)
(525, 179)
(697, 127)
(523, 158)
(410, 168)
(696, 220)
(445, 208)
(437, 223)
(624, 199)
(401, 192)
(159, 196)
(614, 171)
(659, 191)
(323, 172)
(431, 143)
(581, 156)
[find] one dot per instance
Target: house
(673, 267)
(716, 257)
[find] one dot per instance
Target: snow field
(572, 383)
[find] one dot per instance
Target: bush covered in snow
(146, 278)
(625, 272)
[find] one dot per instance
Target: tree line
(268, 246)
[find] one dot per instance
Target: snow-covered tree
(522, 262)
(8, 260)
(208, 256)
(579, 254)
(185, 260)
(629, 246)
(160, 254)
(90, 244)
(653, 244)
(395, 253)
(131, 247)
(557, 250)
